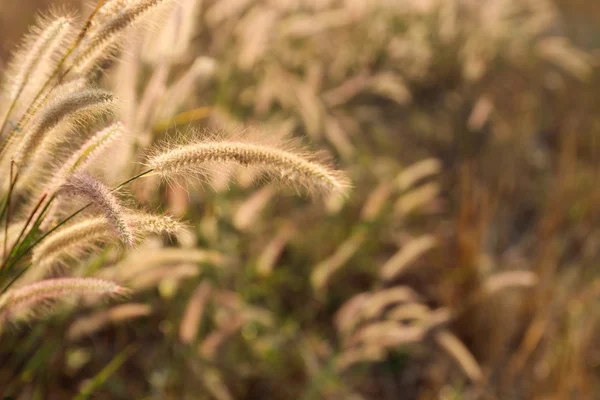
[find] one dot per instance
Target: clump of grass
(55, 117)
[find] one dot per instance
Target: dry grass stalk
(459, 352)
(272, 251)
(357, 355)
(408, 312)
(73, 240)
(417, 199)
(406, 256)
(143, 261)
(76, 239)
(250, 210)
(87, 325)
(107, 35)
(418, 171)
(157, 276)
(366, 306)
(30, 65)
(387, 334)
(509, 279)
(210, 345)
(91, 149)
(190, 321)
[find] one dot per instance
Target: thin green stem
(133, 179)
(17, 245)
(12, 183)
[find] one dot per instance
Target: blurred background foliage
(464, 264)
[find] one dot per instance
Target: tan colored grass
(89, 101)
(32, 63)
(189, 325)
(105, 37)
(102, 198)
(297, 168)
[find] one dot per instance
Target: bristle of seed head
(84, 185)
(78, 161)
(48, 171)
(78, 238)
(86, 154)
(67, 106)
(72, 240)
(159, 224)
(289, 166)
(117, 16)
(30, 66)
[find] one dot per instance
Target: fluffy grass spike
(84, 185)
(86, 153)
(79, 238)
(288, 165)
(29, 66)
(106, 37)
(57, 111)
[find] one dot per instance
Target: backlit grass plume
(292, 166)
(95, 192)
(72, 241)
(31, 64)
(115, 17)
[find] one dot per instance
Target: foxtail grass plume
(92, 190)
(298, 168)
(57, 111)
(115, 17)
(31, 65)
(86, 154)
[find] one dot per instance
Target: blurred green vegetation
(471, 132)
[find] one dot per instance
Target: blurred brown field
(17, 16)
(464, 264)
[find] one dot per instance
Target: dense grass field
(300, 199)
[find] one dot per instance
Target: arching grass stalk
(39, 52)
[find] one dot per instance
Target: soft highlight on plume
(76, 239)
(33, 62)
(58, 110)
(297, 168)
(117, 16)
(92, 190)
